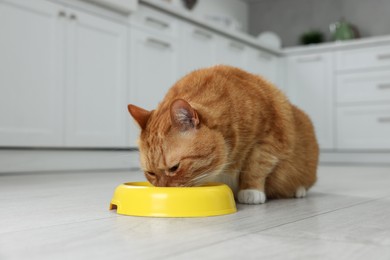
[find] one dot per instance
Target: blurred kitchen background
(69, 68)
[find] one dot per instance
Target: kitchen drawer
(154, 21)
(362, 58)
(123, 6)
(363, 127)
(363, 87)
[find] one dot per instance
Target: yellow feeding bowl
(143, 199)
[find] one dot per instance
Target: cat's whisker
(200, 178)
(208, 173)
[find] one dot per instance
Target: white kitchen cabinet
(253, 60)
(153, 67)
(62, 77)
(96, 82)
(264, 64)
(309, 86)
(231, 52)
(198, 48)
(363, 98)
(363, 127)
(123, 6)
(154, 21)
(353, 59)
(31, 79)
(153, 71)
(367, 87)
(202, 48)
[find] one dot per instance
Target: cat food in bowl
(143, 199)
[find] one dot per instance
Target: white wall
(291, 18)
(371, 16)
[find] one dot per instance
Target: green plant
(312, 37)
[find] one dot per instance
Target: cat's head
(176, 147)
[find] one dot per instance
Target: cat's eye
(174, 168)
(151, 174)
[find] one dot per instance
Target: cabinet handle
(158, 42)
(383, 86)
(384, 119)
(309, 59)
(203, 34)
(385, 56)
(73, 17)
(158, 22)
(237, 46)
(61, 13)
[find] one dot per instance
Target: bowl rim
(148, 185)
(152, 193)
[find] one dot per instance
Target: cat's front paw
(251, 196)
(300, 193)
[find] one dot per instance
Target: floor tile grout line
(287, 223)
(221, 241)
(323, 213)
(58, 225)
(328, 240)
(270, 235)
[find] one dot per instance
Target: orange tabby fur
(222, 123)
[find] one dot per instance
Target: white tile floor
(65, 216)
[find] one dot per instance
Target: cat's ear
(183, 116)
(139, 114)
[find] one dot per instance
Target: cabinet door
(153, 71)
(30, 73)
(363, 127)
(309, 85)
(263, 64)
(230, 52)
(96, 83)
(198, 48)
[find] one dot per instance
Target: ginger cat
(224, 124)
